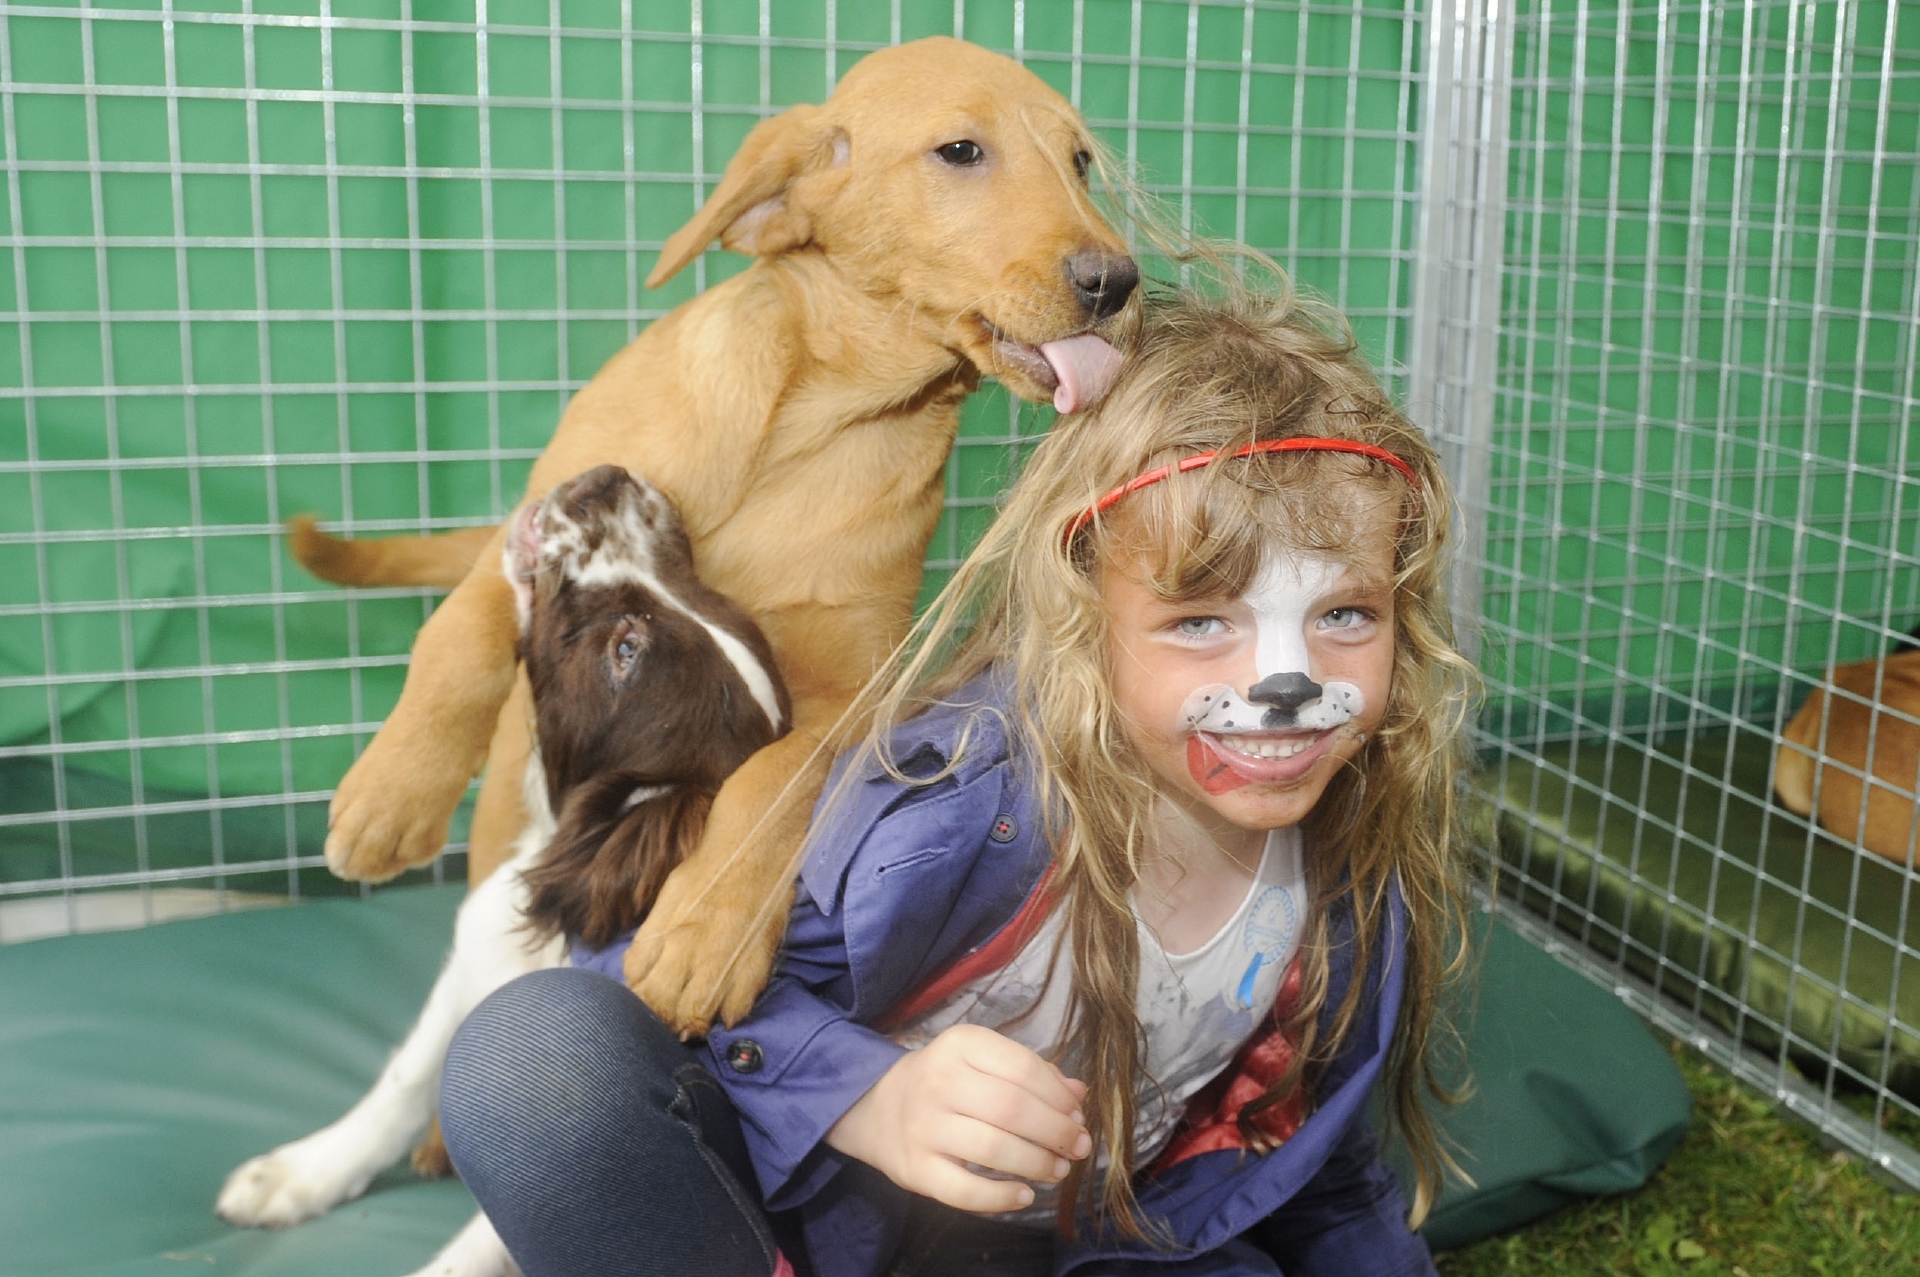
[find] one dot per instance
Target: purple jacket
(900, 882)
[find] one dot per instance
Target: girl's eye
(961, 154)
(1198, 626)
(1344, 618)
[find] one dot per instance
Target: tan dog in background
(929, 224)
(1873, 729)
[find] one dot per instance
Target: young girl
(1103, 940)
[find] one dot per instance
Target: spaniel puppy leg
(500, 812)
(476, 1251)
(310, 1176)
(499, 816)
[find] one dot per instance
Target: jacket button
(745, 1056)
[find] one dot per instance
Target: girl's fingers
(960, 1188)
(1009, 1107)
(1002, 1057)
(992, 1148)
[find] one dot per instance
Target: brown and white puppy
(928, 225)
(649, 690)
(1858, 746)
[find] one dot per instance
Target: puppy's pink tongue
(1085, 366)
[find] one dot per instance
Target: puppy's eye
(624, 652)
(961, 154)
(1082, 161)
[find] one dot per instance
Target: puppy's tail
(439, 562)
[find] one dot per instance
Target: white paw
(283, 1188)
(476, 1251)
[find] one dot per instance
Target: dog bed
(137, 1068)
(1678, 856)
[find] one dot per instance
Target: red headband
(1299, 443)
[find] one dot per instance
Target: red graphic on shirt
(1212, 1122)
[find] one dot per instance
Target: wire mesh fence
(350, 257)
(1699, 496)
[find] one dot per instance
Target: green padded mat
(1677, 853)
(137, 1068)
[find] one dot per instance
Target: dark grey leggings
(595, 1140)
(600, 1146)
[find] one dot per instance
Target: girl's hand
(968, 1096)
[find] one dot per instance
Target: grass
(1748, 1193)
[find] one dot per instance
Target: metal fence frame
(1684, 235)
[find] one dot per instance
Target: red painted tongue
(1208, 769)
(1085, 366)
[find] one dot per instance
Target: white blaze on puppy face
(625, 550)
(1284, 599)
(545, 535)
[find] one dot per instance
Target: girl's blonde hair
(1211, 373)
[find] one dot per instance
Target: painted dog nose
(1286, 692)
(1102, 280)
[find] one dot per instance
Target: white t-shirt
(1197, 1008)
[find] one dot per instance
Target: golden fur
(800, 416)
(1872, 729)
(1210, 374)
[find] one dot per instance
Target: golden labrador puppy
(930, 223)
(1870, 755)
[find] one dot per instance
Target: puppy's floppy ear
(610, 854)
(760, 206)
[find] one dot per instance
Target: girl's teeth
(1274, 748)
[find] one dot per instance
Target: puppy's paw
(392, 808)
(430, 1159)
(476, 1252)
(702, 955)
(283, 1188)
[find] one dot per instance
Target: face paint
(1182, 668)
(1284, 697)
(1209, 770)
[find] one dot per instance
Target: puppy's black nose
(1285, 692)
(1103, 281)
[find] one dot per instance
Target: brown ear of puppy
(757, 208)
(606, 863)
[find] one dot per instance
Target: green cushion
(137, 1068)
(1572, 1097)
(1677, 858)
